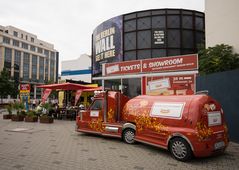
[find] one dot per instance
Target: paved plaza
(35, 146)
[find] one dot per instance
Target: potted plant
(18, 112)
(31, 116)
(45, 117)
(9, 109)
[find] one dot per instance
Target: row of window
(26, 65)
(26, 46)
(15, 33)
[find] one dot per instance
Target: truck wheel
(128, 136)
(180, 149)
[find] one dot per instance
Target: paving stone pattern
(58, 147)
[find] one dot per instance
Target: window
(26, 61)
(15, 43)
(17, 60)
(34, 67)
(26, 37)
(32, 48)
(32, 39)
(39, 50)
(46, 52)
(8, 58)
(21, 35)
(41, 69)
(97, 105)
(15, 33)
(6, 40)
(24, 45)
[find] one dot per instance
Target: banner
(77, 97)
(170, 85)
(45, 95)
(107, 43)
(162, 64)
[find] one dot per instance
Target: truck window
(97, 105)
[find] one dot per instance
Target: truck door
(92, 118)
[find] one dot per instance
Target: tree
(218, 58)
(6, 85)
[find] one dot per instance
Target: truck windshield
(97, 105)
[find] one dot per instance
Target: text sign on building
(158, 38)
(24, 88)
(127, 67)
(107, 43)
(164, 64)
(177, 63)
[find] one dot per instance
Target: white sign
(167, 110)
(159, 84)
(112, 69)
(94, 113)
(214, 118)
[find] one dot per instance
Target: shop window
(130, 55)
(143, 54)
(144, 23)
(144, 39)
(130, 16)
(173, 21)
(131, 87)
(158, 53)
(187, 22)
(173, 52)
(158, 22)
(187, 39)
(158, 12)
(130, 41)
(143, 14)
(174, 38)
(199, 24)
(130, 25)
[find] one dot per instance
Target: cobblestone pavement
(57, 146)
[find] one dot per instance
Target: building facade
(222, 23)
(144, 35)
(27, 59)
(79, 69)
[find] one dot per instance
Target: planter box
(46, 120)
(7, 116)
(31, 119)
(17, 118)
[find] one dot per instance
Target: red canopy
(68, 86)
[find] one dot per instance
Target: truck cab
(104, 114)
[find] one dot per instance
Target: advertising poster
(107, 43)
(170, 85)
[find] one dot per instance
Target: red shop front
(174, 75)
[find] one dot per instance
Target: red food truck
(185, 125)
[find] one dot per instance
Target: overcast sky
(68, 24)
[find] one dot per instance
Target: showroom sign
(163, 64)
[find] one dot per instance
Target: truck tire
(128, 136)
(180, 149)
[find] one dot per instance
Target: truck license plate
(219, 145)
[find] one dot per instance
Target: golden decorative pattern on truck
(111, 115)
(97, 125)
(203, 131)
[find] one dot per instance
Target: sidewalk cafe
(72, 98)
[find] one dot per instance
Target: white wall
(222, 23)
(82, 63)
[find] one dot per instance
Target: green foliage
(47, 106)
(217, 59)
(9, 108)
(6, 85)
(19, 107)
(31, 113)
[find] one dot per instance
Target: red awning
(68, 86)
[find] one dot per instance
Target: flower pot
(17, 118)
(46, 119)
(31, 119)
(7, 116)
